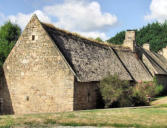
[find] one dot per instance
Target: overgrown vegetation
(144, 92)
(120, 93)
(155, 34)
(115, 92)
(9, 34)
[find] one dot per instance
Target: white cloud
(94, 35)
(81, 16)
(158, 10)
(2, 18)
(22, 19)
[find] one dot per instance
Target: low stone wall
(86, 95)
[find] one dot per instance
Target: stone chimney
(160, 52)
(164, 52)
(146, 46)
(130, 40)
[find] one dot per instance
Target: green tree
(118, 39)
(9, 34)
(155, 34)
(99, 39)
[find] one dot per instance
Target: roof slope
(158, 62)
(134, 65)
(90, 61)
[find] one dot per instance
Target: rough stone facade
(130, 40)
(86, 95)
(5, 98)
(163, 52)
(37, 77)
(146, 46)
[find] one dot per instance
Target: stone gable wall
(37, 76)
(5, 99)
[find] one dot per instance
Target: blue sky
(91, 18)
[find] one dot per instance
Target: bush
(119, 93)
(115, 92)
(143, 92)
(140, 94)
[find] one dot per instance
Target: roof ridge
(121, 47)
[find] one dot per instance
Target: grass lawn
(149, 117)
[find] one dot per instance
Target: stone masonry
(37, 77)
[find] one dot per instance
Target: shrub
(119, 93)
(143, 92)
(115, 92)
(140, 94)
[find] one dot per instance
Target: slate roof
(92, 61)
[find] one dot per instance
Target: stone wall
(37, 76)
(86, 95)
(5, 98)
(146, 46)
(164, 52)
(162, 79)
(129, 41)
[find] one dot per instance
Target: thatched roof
(92, 60)
(134, 65)
(158, 62)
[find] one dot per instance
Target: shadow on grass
(51, 122)
(117, 125)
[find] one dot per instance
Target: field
(142, 117)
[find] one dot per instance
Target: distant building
(52, 70)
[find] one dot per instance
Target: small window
(27, 98)
(33, 37)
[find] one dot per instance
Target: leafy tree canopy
(155, 34)
(9, 34)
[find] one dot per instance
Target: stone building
(52, 70)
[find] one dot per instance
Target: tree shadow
(5, 97)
